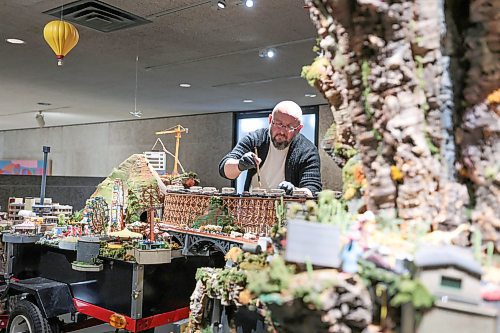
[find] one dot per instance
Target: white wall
(94, 149)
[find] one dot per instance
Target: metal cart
(40, 286)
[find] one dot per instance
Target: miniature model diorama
(111, 261)
(119, 232)
(417, 137)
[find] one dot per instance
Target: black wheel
(27, 318)
(55, 325)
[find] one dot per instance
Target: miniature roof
(439, 256)
(24, 225)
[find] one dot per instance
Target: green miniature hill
(136, 175)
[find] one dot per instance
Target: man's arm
(311, 172)
(232, 164)
(231, 169)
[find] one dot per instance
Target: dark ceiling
(187, 41)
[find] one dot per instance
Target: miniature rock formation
(385, 68)
(138, 178)
(136, 174)
(479, 133)
(343, 307)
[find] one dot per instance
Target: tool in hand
(258, 168)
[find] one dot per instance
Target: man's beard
(280, 145)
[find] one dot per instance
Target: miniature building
(29, 202)
(157, 160)
(452, 275)
(25, 227)
(57, 209)
(50, 219)
(49, 210)
(449, 272)
(15, 205)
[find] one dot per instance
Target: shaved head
(290, 108)
(285, 122)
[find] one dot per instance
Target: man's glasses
(288, 128)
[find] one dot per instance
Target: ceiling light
(248, 101)
(268, 52)
(221, 4)
(310, 95)
(249, 3)
(137, 113)
(184, 85)
(39, 119)
(44, 103)
(15, 41)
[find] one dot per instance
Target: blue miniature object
(350, 254)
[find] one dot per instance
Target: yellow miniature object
(396, 174)
(125, 234)
(350, 193)
(233, 254)
(61, 37)
(494, 97)
(245, 297)
(359, 176)
(177, 130)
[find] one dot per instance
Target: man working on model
(287, 160)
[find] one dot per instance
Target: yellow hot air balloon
(61, 37)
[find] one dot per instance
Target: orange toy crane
(177, 130)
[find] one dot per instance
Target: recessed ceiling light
(249, 3)
(15, 41)
(184, 85)
(268, 52)
(221, 4)
(248, 101)
(310, 95)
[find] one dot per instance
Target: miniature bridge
(191, 239)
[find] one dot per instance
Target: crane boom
(177, 130)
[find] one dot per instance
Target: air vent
(97, 15)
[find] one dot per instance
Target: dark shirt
(302, 167)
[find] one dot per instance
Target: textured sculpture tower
(389, 69)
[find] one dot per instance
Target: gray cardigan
(302, 167)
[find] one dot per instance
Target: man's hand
(287, 186)
(248, 161)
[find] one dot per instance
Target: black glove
(287, 186)
(247, 161)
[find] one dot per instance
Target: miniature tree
(217, 214)
(61, 219)
(133, 207)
